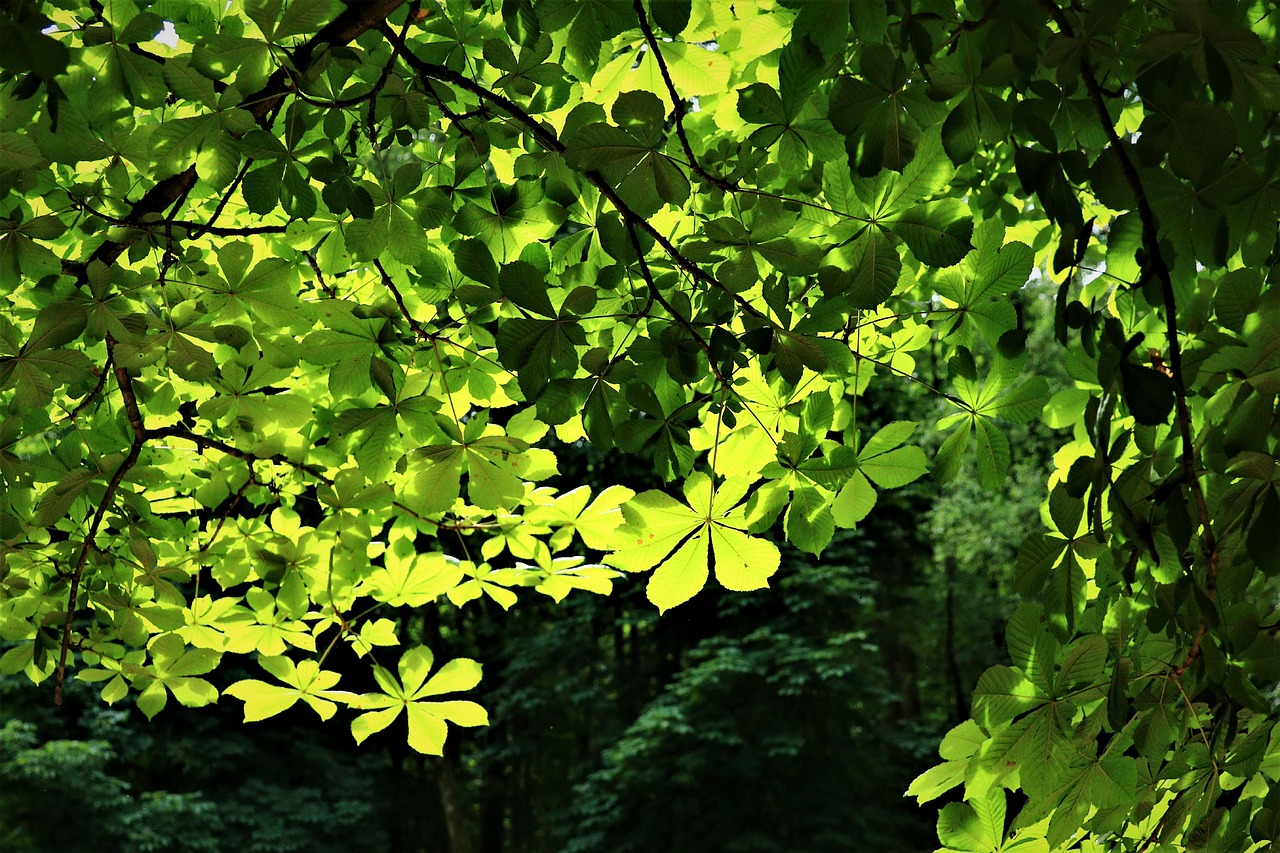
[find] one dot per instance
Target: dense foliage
(303, 300)
(746, 719)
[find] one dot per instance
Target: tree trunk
(958, 690)
(455, 817)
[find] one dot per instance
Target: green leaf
(1148, 393)
(711, 521)
(936, 781)
(1002, 694)
(1020, 403)
(302, 16)
(427, 720)
(950, 455)
(57, 325)
(875, 271)
(992, 453)
(854, 501)
(306, 682)
(595, 524)
(937, 233)
(524, 285)
(960, 132)
(1037, 556)
(894, 468)
(1262, 541)
(976, 826)
(671, 15)
(18, 151)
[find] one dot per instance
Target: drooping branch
(134, 414)
(1157, 267)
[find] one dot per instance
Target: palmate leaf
(711, 523)
(267, 628)
(645, 177)
(174, 669)
(484, 580)
(980, 286)
(494, 464)
(411, 579)
(1036, 744)
(565, 574)
(882, 461)
(305, 682)
(976, 826)
(427, 720)
(594, 524)
(510, 218)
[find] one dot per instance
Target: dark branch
(655, 295)
(135, 449)
(404, 309)
(1159, 268)
(676, 100)
(97, 389)
(196, 228)
(548, 140)
(356, 18)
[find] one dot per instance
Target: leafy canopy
(300, 299)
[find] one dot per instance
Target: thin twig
(676, 100)
(655, 295)
(197, 228)
(404, 309)
(208, 227)
(135, 449)
(96, 390)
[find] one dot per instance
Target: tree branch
(655, 295)
(404, 309)
(1158, 267)
(203, 441)
(132, 411)
(548, 140)
(676, 100)
(96, 390)
(200, 227)
(359, 17)
(356, 18)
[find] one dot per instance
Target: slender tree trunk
(455, 817)
(958, 691)
(493, 811)
(899, 658)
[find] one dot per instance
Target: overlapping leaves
(296, 265)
